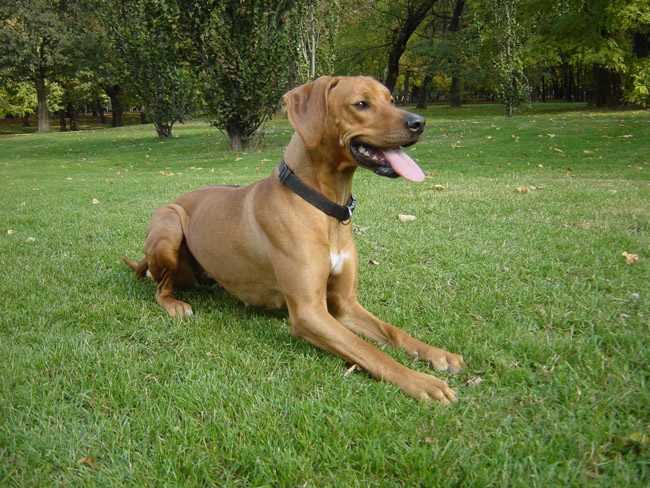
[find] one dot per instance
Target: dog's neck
(332, 178)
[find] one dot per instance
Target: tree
(606, 40)
(318, 25)
(242, 57)
(407, 16)
(147, 35)
(37, 44)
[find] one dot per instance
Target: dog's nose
(415, 123)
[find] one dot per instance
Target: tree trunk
(455, 90)
(63, 126)
(424, 90)
(237, 140)
(43, 112)
(607, 87)
(454, 27)
(72, 114)
(117, 109)
(414, 17)
(164, 129)
(406, 89)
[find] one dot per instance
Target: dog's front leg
(312, 322)
(351, 314)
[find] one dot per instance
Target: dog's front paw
(426, 387)
(440, 359)
(176, 308)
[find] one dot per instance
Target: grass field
(514, 261)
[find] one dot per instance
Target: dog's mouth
(391, 162)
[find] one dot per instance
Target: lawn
(514, 261)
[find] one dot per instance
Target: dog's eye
(362, 105)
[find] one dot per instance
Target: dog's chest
(338, 260)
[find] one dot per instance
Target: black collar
(321, 202)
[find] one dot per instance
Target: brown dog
(283, 241)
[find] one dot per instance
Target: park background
(528, 253)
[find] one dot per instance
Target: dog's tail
(140, 268)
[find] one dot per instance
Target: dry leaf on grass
(10, 232)
(166, 173)
(406, 217)
(88, 461)
(630, 258)
(31, 239)
(522, 189)
(473, 381)
(95, 201)
(438, 187)
(374, 262)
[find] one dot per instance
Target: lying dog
(283, 241)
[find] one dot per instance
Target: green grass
(530, 287)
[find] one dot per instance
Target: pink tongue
(403, 164)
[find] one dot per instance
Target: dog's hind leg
(167, 258)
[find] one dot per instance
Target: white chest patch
(338, 260)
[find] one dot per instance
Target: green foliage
(17, 99)
(38, 43)
(502, 32)
(317, 27)
(639, 91)
(242, 57)
(152, 52)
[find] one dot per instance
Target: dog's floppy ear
(307, 109)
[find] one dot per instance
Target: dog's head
(356, 115)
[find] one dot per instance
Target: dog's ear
(307, 109)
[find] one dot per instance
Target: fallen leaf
(238, 159)
(473, 381)
(374, 262)
(406, 217)
(95, 201)
(523, 189)
(88, 461)
(587, 151)
(627, 136)
(630, 258)
(455, 145)
(166, 173)
(10, 232)
(558, 150)
(31, 239)
(438, 187)
(489, 138)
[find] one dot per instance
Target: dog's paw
(176, 308)
(440, 359)
(426, 388)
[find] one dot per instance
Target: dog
(285, 241)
